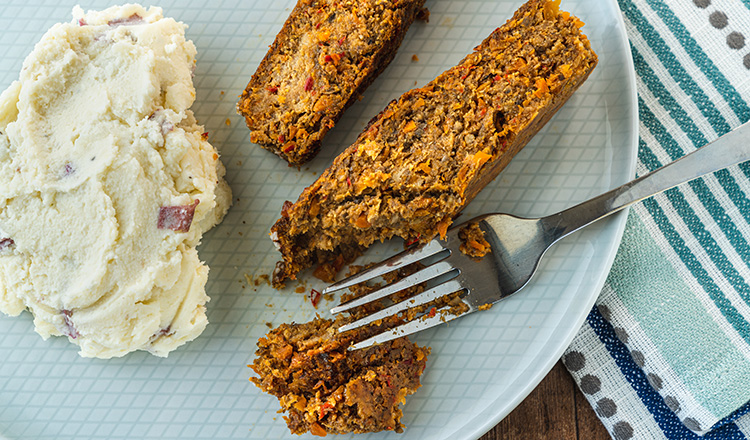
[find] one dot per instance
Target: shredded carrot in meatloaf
(429, 152)
(322, 60)
(324, 388)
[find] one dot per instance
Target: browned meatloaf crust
(324, 57)
(324, 388)
(421, 160)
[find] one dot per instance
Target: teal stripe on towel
(686, 82)
(699, 57)
(671, 308)
(685, 122)
(719, 124)
(690, 261)
(708, 200)
(743, 203)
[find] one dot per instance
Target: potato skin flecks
(107, 185)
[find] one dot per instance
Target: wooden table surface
(556, 409)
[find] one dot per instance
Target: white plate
(481, 366)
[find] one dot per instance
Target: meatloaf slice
(324, 57)
(429, 152)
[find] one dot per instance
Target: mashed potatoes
(107, 185)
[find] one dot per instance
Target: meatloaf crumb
(473, 242)
(428, 153)
(324, 57)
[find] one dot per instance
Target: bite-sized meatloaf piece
(473, 242)
(324, 57)
(325, 388)
(429, 152)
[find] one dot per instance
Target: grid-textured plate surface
(481, 366)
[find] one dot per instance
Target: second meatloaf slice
(323, 58)
(420, 161)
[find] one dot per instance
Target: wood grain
(556, 409)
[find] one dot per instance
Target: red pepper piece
(325, 409)
(413, 240)
(314, 297)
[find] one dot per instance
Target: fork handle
(729, 149)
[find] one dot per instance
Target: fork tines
(440, 271)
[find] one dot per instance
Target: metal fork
(517, 244)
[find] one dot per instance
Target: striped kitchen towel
(666, 351)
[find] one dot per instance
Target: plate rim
(619, 220)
